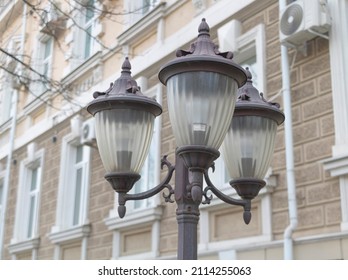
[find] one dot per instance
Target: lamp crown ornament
(203, 54)
(122, 93)
(250, 97)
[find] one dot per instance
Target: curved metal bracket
(246, 203)
(123, 197)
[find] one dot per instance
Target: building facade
(54, 200)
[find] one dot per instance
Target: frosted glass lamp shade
(124, 137)
(249, 144)
(201, 106)
(248, 147)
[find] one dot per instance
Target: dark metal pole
(187, 213)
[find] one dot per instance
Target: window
(42, 63)
(139, 8)
(83, 36)
(33, 176)
(26, 235)
(6, 103)
(73, 185)
(89, 15)
(72, 206)
(30, 200)
(47, 57)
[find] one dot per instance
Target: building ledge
(337, 165)
(149, 215)
(74, 233)
(22, 246)
(142, 26)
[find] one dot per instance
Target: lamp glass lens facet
(248, 147)
(123, 137)
(201, 106)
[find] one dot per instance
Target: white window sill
(147, 215)
(75, 233)
(22, 246)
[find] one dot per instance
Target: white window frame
(151, 212)
(6, 101)
(40, 62)
(88, 35)
(21, 242)
(65, 229)
(2, 202)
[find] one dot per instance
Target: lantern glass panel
(248, 147)
(201, 106)
(124, 137)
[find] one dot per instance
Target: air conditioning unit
(88, 133)
(303, 20)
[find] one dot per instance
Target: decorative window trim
(337, 165)
(70, 235)
(61, 232)
(2, 204)
(252, 40)
(199, 5)
(23, 246)
(18, 242)
(93, 62)
(146, 23)
(207, 247)
(134, 220)
(141, 217)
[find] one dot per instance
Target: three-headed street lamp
(207, 111)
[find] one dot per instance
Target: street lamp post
(202, 92)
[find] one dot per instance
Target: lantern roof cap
(124, 93)
(250, 102)
(203, 55)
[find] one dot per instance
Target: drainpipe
(289, 150)
(11, 142)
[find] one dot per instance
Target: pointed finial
(249, 75)
(126, 66)
(203, 28)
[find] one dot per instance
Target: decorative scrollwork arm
(245, 203)
(123, 197)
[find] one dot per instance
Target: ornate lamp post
(202, 88)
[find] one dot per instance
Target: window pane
(88, 42)
(33, 183)
(31, 217)
(1, 191)
(79, 154)
(47, 50)
(45, 68)
(251, 63)
(77, 202)
(147, 173)
(89, 10)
